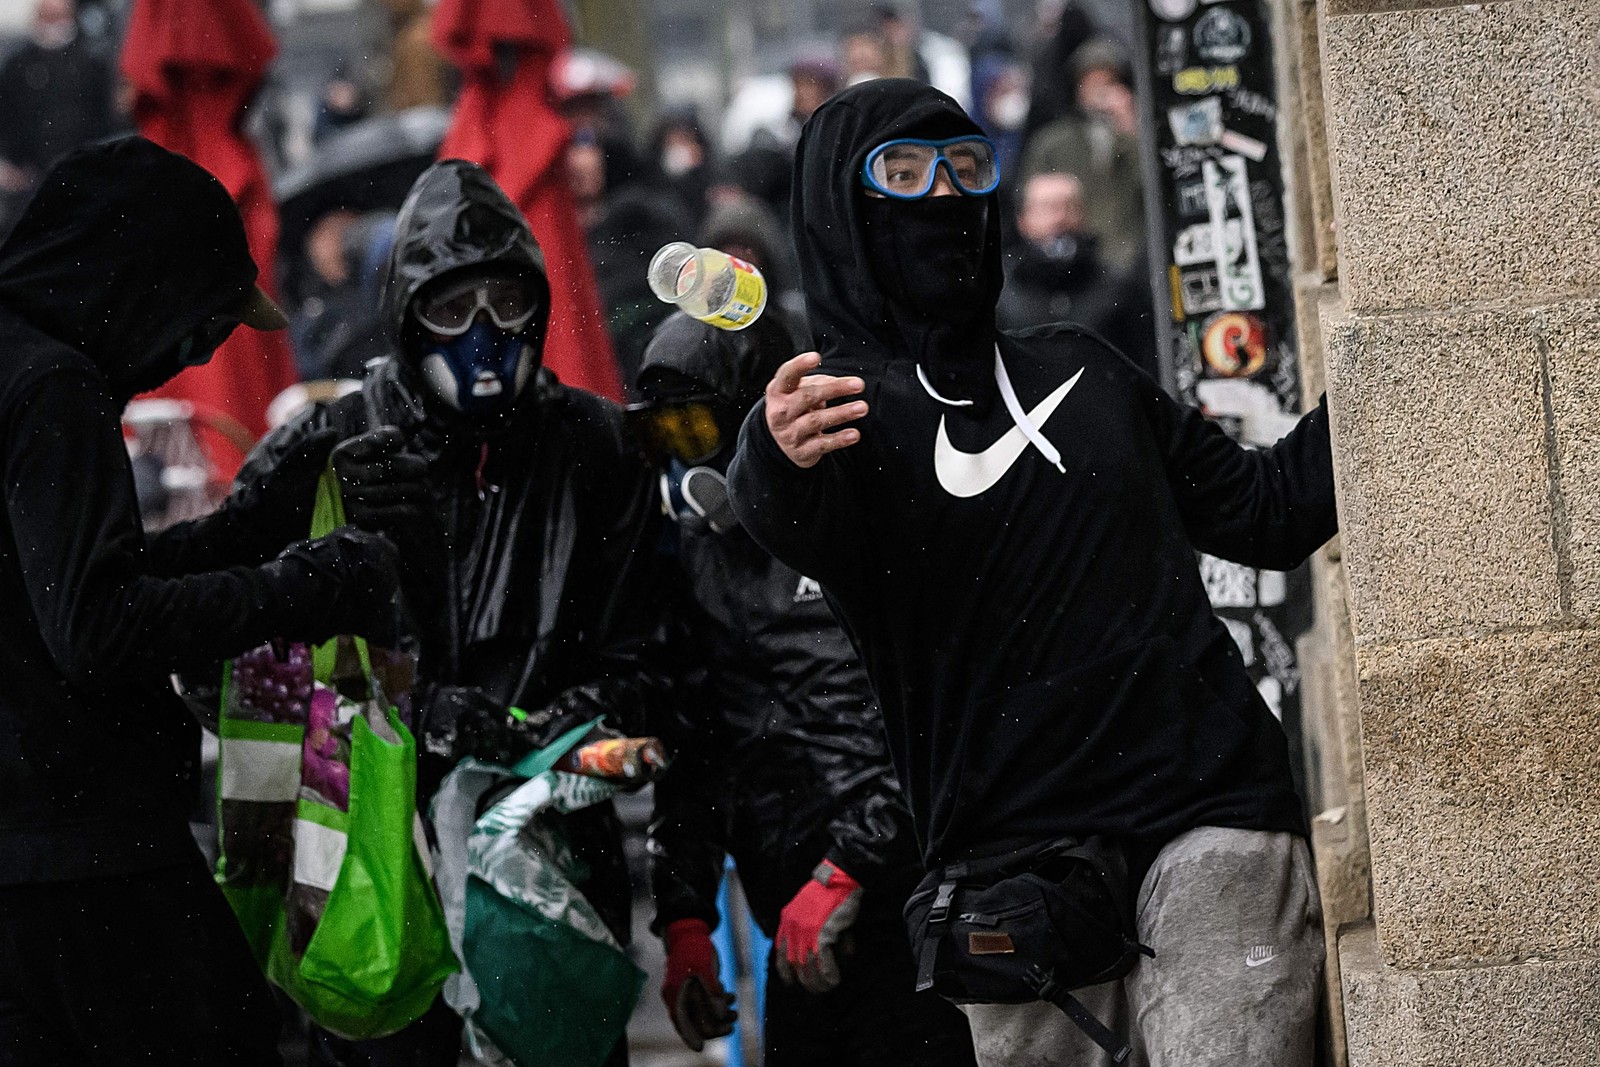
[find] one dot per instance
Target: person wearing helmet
(1007, 525)
(115, 944)
(524, 514)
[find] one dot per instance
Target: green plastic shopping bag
(545, 982)
(322, 852)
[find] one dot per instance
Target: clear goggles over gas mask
(510, 303)
(905, 169)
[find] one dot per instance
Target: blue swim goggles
(905, 169)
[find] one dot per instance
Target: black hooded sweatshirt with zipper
(781, 760)
(542, 591)
(1040, 639)
(124, 251)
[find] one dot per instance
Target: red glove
(810, 926)
(699, 1008)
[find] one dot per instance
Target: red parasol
(194, 66)
(504, 121)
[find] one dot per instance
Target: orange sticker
(1235, 344)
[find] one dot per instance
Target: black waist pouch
(1031, 925)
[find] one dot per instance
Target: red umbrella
(504, 121)
(194, 66)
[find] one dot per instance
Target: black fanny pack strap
(1051, 991)
(938, 915)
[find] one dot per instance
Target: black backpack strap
(1055, 993)
(938, 915)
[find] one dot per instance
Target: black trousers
(874, 1017)
(147, 968)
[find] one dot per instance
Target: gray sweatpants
(1236, 925)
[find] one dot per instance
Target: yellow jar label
(748, 301)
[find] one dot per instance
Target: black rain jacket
(125, 249)
(1046, 658)
(546, 598)
(782, 760)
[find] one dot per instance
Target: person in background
(682, 156)
(815, 78)
(626, 217)
(1054, 274)
(745, 227)
(116, 946)
(334, 321)
(1099, 142)
(1053, 92)
(57, 95)
(780, 758)
(900, 35)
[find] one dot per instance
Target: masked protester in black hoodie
(525, 517)
(115, 945)
(781, 763)
(1006, 524)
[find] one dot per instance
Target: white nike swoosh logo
(1256, 961)
(966, 474)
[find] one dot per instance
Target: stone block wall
(1461, 333)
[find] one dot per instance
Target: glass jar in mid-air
(709, 284)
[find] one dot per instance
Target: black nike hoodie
(1039, 635)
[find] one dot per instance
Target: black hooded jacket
(782, 761)
(1040, 639)
(125, 250)
(549, 519)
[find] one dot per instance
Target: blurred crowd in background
(356, 106)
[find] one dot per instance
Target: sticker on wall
(1192, 200)
(1227, 198)
(1199, 123)
(1249, 147)
(1174, 10)
(1198, 81)
(1235, 344)
(1202, 291)
(1222, 36)
(1172, 54)
(1257, 410)
(1228, 584)
(1194, 244)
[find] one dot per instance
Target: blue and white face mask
(480, 371)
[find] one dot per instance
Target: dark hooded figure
(523, 513)
(115, 945)
(780, 762)
(1006, 524)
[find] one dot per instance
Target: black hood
(125, 249)
(456, 216)
(852, 321)
(735, 365)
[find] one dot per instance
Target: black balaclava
(928, 258)
(890, 279)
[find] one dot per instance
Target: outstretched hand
(798, 413)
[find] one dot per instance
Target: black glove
(344, 583)
(385, 488)
(283, 495)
